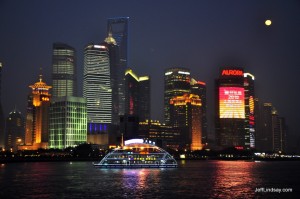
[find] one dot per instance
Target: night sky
(200, 35)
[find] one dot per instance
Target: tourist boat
(138, 153)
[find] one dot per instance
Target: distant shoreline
(96, 159)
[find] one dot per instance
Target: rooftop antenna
(41, 69)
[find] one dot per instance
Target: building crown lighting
(110, 39)
(130, 72)
(249, 74)
(186, 98)
(40, 85)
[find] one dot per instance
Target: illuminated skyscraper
(14, 130)
(118, 28)
(97, 86)
(68, 122)
(2, 120)
(199, 88)
(186, 114)
(230, 108)
(37, 119)
(114, 62)
(137, 95)
(249, 109)
(64, 78)
(177, 82)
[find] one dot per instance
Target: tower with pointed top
(114, 66)
(36, 134)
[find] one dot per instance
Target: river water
(192, 179)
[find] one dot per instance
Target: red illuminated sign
(232, 102)
(227, 72)
(239, 148)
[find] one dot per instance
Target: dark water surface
(192, 179)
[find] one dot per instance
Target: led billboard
(232, 102)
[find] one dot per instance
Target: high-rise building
(230, 108)
(97, 91)
(278, 131)
(68, 122)
(177, 82)
(137, 95)
(114, 62)
(14, 130)
(2, 118)
(29, 121)
(271, 135)
(199, 88)
(186, 114)
(64, 76)
(37, 118)
(118, 28)
(264, 137)
(96, 84)
(249, 109)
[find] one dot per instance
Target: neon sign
(235, 72)
(231, 102)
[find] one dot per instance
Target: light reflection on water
(192, 179)
(234, 177)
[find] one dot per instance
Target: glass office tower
(97, 84)
(68, 122)
(177, 82)
(64, 77)
(118, 28)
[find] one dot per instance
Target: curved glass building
(138, 153)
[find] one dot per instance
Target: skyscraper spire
(109, 39)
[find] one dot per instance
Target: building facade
(230, 109)
(37, 118)
(271, 130)
(164, 136)
(97, 84)
(186, 114)
(250, 119)
(68, 122)
(177, 82)
(114, 62)
(14, 130)
(137, 95)
(64, 75)
(199, 88)
(118, 28)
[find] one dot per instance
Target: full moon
(268, 22)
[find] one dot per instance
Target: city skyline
(201, 36)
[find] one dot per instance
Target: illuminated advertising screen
(232, 102)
